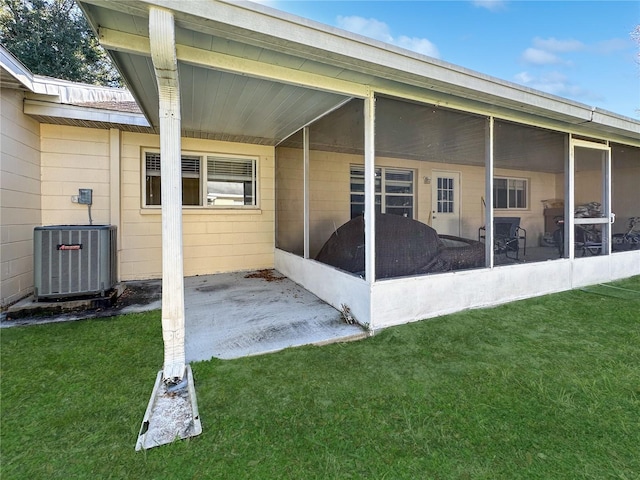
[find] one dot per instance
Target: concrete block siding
(44, 165)
(215, 241)
(20, 190)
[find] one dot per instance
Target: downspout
(165, 63)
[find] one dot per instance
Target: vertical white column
(569, 207)
(114, 188)
(488, 192)
(369, 188)
(163, 54)
(306, 191)
(606, 200)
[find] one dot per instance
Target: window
(445, 195)
(393, 187)
(231, 181)
(510, 193)
(207, 180)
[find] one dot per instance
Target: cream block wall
(19, 196)
(235, 239)
(542, 186)
(588, 187)
(74, 158)
(290, 200)
(471, 191)
(215, 241)
(559, 182)
(330, 195)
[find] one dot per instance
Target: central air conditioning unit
(74, 260)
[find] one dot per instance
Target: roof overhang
(13, 74)
(250, 73)
(73, 115)
(55, 101)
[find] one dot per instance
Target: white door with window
(445, 203)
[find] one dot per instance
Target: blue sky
(581, 50)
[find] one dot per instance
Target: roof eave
(255, 25)
(73, 112)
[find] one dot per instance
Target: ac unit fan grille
(74, 261)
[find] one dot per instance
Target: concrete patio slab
(227, 315)
(239, 314)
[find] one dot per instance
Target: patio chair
(588, 240)
(507, 236)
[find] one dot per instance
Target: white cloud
(556, 83)
(524, 78)
(420, 45)
(540, 57)
(550, 58)
(555, 45)
(552, 51)
(369, 27)
(493, 5)
(613, 45)
(552, 82)
(372, 28)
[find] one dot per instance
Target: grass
(547, 388)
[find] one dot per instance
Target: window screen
(231, 181)
(190, 179)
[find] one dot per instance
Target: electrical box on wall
(85, 196)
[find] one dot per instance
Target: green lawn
(547, 388)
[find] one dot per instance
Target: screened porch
(435, 173)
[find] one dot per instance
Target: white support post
(569, 208)
(606, 200)
(306, 189)
(369, 188)
(488, 210)
(165, 63)
(114, 190)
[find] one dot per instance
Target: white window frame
(527, 189)
(381, 187)
(203, 176)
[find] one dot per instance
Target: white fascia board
(139, 45)
(604, 117)
(124, 42)
(73, 112)
(265, 27)
(49, 96)
(15, 68)
(53, 87)
(74, 92)
(617, 129)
